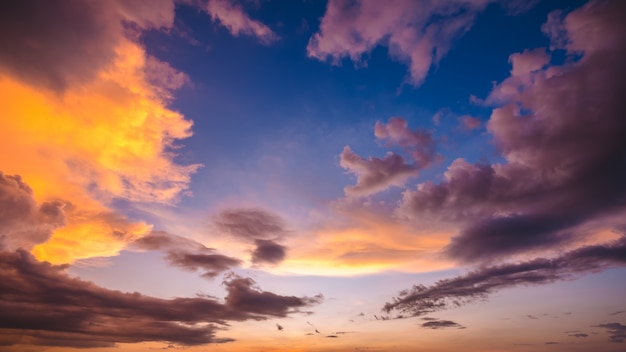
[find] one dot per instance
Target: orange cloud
(369, 243)
(110, 138)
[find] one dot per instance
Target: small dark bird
(279, 327)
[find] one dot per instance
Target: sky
(350, 175)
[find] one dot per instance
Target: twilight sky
(358, 175)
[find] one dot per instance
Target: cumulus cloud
(87, 116)
(23, 222)
(232, 16)
(375, 174)
(558, 182)
(416, 32)
(480, 283)
(417, 143)
(36, 296)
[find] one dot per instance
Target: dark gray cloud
(579, 334)
(617, 312)
(259, 227)
(187, 254)
(40, 304)
(616, 330)
(442, 324)
(212, 264)
(480, 283)
(268, 252)
(243, 296)
(250, 224)
(23, 222)
(67, 42)
(561, 131)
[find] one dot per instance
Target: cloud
(469, 123)
(442, 324)
(480, 283)
(231, 15)
(418, 143)
(212, 264)
(356, 240)
(558, 183)
(23, 222)
(245, 297)
(579, 334)
(36, 296)
(617, 331)
(250, 224)
(187, 254)
(269, 252)
(374, 174)
(60, 45)
(88, 118)
(258, 227)
(418, 33)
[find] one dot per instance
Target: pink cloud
(528, 61)
(469, 122)
(418, 143)
(232, 16)
(561, 130)
(375, 174)
(416, 32)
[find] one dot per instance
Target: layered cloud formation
(561, 130)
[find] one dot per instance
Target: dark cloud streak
(480, 283)
(35, 297)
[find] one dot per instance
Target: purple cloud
(558, 178)
(416, 32)
(36, 296)
(484, 281)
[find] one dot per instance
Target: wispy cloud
(616, 330)
(231, 15)
(482, 282)
(187, 254)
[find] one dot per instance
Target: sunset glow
(312, 176)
